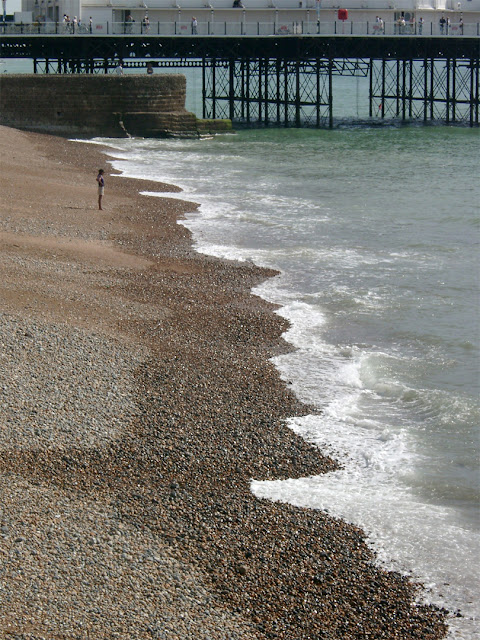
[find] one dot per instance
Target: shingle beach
(137, 403)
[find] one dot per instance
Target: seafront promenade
(248, 23)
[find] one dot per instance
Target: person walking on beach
(101, 187)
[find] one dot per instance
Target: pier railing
(243, 26)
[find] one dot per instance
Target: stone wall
(96, 105)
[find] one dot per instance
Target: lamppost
(4, 3)
(318, 15)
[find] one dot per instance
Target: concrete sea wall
(97, 105)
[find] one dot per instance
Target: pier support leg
(242, 94)
(476, 65)
(382, 98)
(397, 91)
(410, 90)
(425, 89)
(447, 92)
(247, 87)
(474, 92)
(330, 93)
(432, 88)
(214, 96)
(265, 91)
(297, 93)
(231, 89)
(204, 89)
(259, 97)
(454, 90)
(370, 91)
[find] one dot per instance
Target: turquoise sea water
(375, 233)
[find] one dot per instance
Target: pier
(285, 79)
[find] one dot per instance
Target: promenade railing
(241, 27)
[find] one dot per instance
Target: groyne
(97, 105)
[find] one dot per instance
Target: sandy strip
(136, 403)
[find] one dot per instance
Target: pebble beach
(137, 403)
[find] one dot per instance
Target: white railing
(292, 5)
(243, 27)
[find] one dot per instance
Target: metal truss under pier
(445, 90)
(296, 93)
(288, 80)
(299, 93)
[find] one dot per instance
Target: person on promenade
(460, 26)
(90, 24)
(194, 26)
(101, 187)
(401, 25)
(442, 23)
(411, 24)
(128, 24)
(378, 26)
(421, 22)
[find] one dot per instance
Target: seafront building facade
(259, 17)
